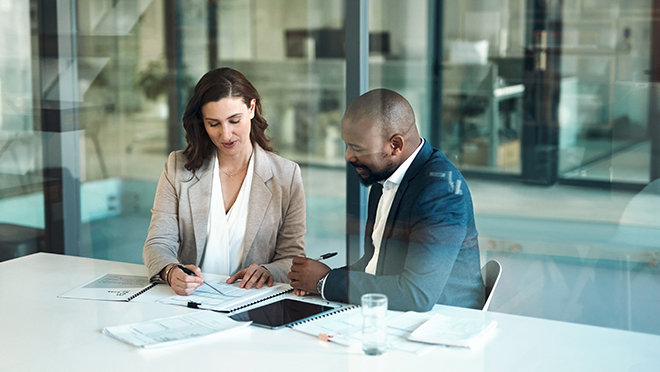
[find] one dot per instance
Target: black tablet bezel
(273, 306)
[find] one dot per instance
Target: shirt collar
(397, 176)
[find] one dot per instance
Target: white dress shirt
(390, 186)
(226, 231)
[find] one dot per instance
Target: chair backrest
(490, 273)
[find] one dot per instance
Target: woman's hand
(253, 276)
(184, 284)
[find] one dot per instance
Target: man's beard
(372, 177)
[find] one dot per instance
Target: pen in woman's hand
(190, 272)
(325, 256)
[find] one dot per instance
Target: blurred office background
(550, 108)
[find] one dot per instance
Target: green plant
(152, 80)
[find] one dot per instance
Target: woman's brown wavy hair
(214, 86)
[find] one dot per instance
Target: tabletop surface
(41, 332)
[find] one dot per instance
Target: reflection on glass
(130, 125)
(482, 87)
(586, 254)
(21, 190)
(295, 59)
(581, 254)
(605, 94)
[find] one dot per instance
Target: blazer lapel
(260, 196)
(375, 193)
(422, 157)
(199, 197)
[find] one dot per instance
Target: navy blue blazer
(429, 253)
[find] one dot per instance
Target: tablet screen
(281, 313)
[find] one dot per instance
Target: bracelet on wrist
(168, 272)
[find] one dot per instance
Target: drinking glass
(374, 323)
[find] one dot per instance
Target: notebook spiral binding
(142, 291)
(337, 311)
(234, 310)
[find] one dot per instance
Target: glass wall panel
(292, 51)
(482, 84)
(21, 188)
(544, 92)
(135, 63)
(580, 70)
(605, 90)
(398, 53)
(126, 55)
(123, 121)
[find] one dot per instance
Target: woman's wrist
(167, 271)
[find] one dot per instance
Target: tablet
(282, 313)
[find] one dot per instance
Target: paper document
(346, 329)
(231, 299)
(111, 287)
(460, 332)
(173, 330)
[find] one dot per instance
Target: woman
(226, 204)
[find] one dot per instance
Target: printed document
(174, 330)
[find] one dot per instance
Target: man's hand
(300, 292)
(305, 274)
(253, 276)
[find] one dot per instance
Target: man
(421, 242)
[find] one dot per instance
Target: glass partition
(605, 90)
(482, 84)
(558, 94)
(398, 53)
(549, 109)
(21, 187)
(134, 65)
(292, 51)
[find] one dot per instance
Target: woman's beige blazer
(275, 231)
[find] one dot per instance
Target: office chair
(490, 273)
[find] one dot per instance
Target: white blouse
(226, 231)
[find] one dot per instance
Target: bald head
(385, 110)
(380, 134)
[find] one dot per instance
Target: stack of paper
(173, 330)
(460, 332)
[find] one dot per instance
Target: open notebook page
(232, 298)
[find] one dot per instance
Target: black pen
(190, 272)
(325, 256)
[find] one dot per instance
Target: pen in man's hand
(325, 256)
(190, 272)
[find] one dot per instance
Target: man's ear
(396, 142)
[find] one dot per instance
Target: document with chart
(230, 298)
(111, 287)
(173, 330)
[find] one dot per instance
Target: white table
(40, 332)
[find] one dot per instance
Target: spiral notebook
(111, 287)
(115, 287)
(232, 299)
